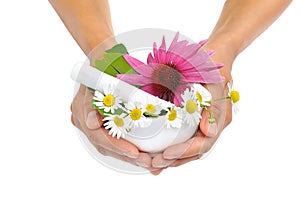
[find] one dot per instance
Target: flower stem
(211, 119)
(220, 99)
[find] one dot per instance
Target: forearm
(88, 21)
(241, 21)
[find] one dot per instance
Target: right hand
(89, 121)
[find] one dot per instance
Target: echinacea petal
(210, 52)
(174, 41)
(145, 70)
(177, 101)
(202, 42)
(134, 79)
(205, 77)
(198, 59)
(139, 66)
(190, 50)
(178, 94)
(159, 55)
(133, 62)
(178, 48)
(149, 89)
(163, 44)
(150, 59)
(176, 59)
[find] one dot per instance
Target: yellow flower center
(235, 96)
(135, 114)
(109, 100)
(151, 108)
(199, 97)
(191, 106)
(118, 121)
(172, 115)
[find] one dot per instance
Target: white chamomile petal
(98, 96)
(135, 116)
(98, 103)
(153, 107)
(234, 95)
(109, 101)
(202, 94)
(191, 110)
(117, 125)
(174, 117)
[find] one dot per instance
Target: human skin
(240, 22)
(89, 22)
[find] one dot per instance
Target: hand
(89, 121)
(205, 137)
(207, 133)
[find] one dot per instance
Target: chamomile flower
(153, 108)
(234, 95)
(117, 125)
(174, 117)
(109, 101)
(191, 108)
(202, 95)
(136, 116)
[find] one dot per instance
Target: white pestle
(97, 80)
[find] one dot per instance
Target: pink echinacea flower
(169, 72)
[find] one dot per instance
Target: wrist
(100, 48)
(224, 54)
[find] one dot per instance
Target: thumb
(220, 111)
(93, 119)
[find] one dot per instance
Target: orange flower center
(166, 80)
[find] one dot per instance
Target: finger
(75, 122)
(156, 171)
(120, 152)
(98, 136)
(197, 145)
(143, 159)
(101, 137)
(183, 161)
(222, 113)
(217, 110)
(92, 117)
(160, 162)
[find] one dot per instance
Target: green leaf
(113, 62)
(119, 48)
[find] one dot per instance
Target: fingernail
(129, 155)
(174, 153)
(204, 120)
(141, 164)
(212, 130)
(92, 120)
(160, 165)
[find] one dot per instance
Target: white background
(257, 157)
